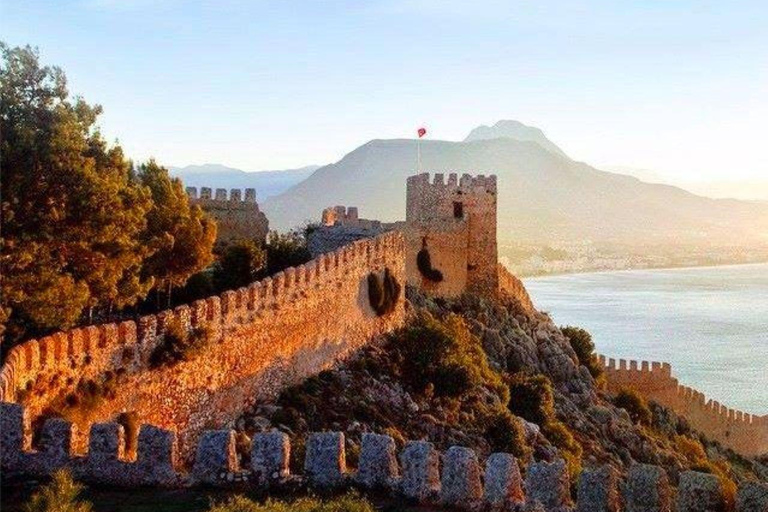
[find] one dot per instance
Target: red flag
(422, 132)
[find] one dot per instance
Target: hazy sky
(680, 87)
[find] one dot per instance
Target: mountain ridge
(542, 196)
(511, 129)
(267, 183)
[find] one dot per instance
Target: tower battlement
(235, 194)
(237, 216)
(454, 221)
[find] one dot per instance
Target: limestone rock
(752, 497)
(647, 489)
(699, 492)
(598, 490)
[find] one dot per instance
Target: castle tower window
(458, 210)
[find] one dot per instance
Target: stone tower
(455, 223)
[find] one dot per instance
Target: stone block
(503, 483)
(460, 485)
(57, 441)
(752, 497)
(106, 444)
(647, 489)
(548, 483)
(598, 490)
(215, 455)
(270, 456)
(421, 471)
(378, 461)
(156, 455)
(325, 461)
(13, 435)
(699, 492)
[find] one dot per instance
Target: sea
(709, 323)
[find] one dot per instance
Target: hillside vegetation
(484, 374)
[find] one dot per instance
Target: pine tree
(180, 234)
(72, 219)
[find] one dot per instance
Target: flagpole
(418, 154)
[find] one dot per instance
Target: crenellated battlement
(286, 327)
(419, 473)
(237, 216)
(235, 195)
(743, 432)
(339, 214)
(467, 183)
(455, 221)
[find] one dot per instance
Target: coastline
(685, 266)
(663, 313)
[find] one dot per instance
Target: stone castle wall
(273, 333)
(456, 220)
(238, 217)
(341, 225)
(744, 433)
(420, 474)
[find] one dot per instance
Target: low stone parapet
(418, 476)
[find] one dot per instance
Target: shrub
(179, 344)
(505, 433)
(59, 495)
(631, 401)
(383, 292)
(531, 397)
(286, 250)
(424, 264)
(559, 435)
(443, 355)
(581, 343)
(241, 263)
(694, 452)
(130, 422)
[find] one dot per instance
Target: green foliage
(581, 343)
(180, 344)
(241, 264)
(442, 355)
(696, 456)
(383, 292)
(72, 218)
(180, 234)
(558, 434)
(631, 401)
(424, 264)
(198, 286)
(286, 250)
(505, 433)
(350, 502)
(531, 397)
(60, 495)
(82, 232)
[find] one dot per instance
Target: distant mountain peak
(511, 129)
